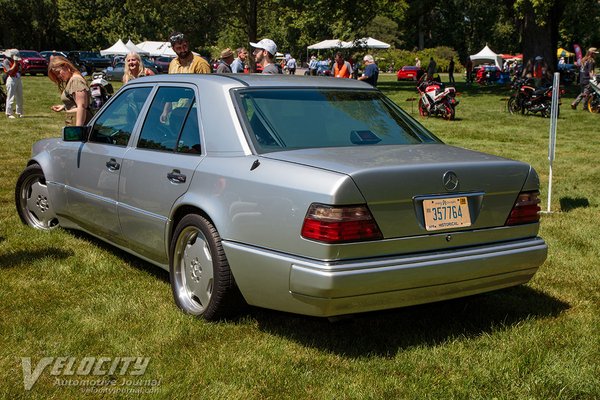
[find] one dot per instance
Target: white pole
(552, 141)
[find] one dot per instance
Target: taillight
(526, 209)
(339, 224)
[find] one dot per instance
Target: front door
(94, 179)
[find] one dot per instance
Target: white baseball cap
(13, 53)
(266, 44)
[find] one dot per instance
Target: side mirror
(75, 133)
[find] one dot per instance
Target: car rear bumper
(287, 283)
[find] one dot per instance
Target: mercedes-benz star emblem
(450, 180)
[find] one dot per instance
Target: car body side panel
(146, 196)
(264, 206)
(92, 189)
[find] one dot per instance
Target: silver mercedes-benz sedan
(309, 195)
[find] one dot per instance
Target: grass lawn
(66, 294)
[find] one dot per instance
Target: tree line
(532, 27)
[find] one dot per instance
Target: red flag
(578, 54)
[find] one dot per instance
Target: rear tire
(32, 199)
(450, 113)
(201, 280)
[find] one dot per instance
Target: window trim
(113, 98)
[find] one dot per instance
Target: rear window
(289, 119)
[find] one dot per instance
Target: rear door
(159, 169)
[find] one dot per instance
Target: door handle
(113, 165)
(176, 176)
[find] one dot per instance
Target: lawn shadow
(24, 256)
(134, 261)
(569, 203)
(387, 332)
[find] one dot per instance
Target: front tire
(513, 105)
(201, 280)
(593, 104)
(422, 110)
(32, 199)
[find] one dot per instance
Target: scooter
(434, 99)
(101, 90)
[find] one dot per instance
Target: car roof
(259, 80)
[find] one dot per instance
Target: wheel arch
(179, 212)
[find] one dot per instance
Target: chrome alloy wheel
(193, 271)
(36, 209)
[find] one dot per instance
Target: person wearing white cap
(586, 73)
(14, 86)
(264, 55)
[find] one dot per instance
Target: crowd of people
(75, 91)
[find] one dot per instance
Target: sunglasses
(176, 38)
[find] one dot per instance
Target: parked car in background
(314, 198)
(116, 73)
(487, 74)
(568, 73)
(163, 64)
(33, 63)
(49, 53)
(410, 72)
(89, 61)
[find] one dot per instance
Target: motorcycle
(101, 90)
(593, 101)
(434, 99)
(529, 99)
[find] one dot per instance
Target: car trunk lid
(396, 180)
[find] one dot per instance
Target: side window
(189, 140)
(115, 124)
(166, 118)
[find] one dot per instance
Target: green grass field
(66, 294)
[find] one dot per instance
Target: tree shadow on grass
(569, 203)
(24, 256)
(387, 332)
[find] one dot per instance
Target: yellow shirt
(196, 65)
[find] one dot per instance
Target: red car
(33, 63)
(410, 72)
(486, 74)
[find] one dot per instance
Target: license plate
(446, 213)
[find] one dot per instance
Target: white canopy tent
(132, 47)
(118, 48)
(122, 49)
(329, 44)
(157, 49)
(368, 43)
(486, 55)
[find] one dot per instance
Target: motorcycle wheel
(593, 104)
(513, 105)
(422, 111)
(450, 113)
